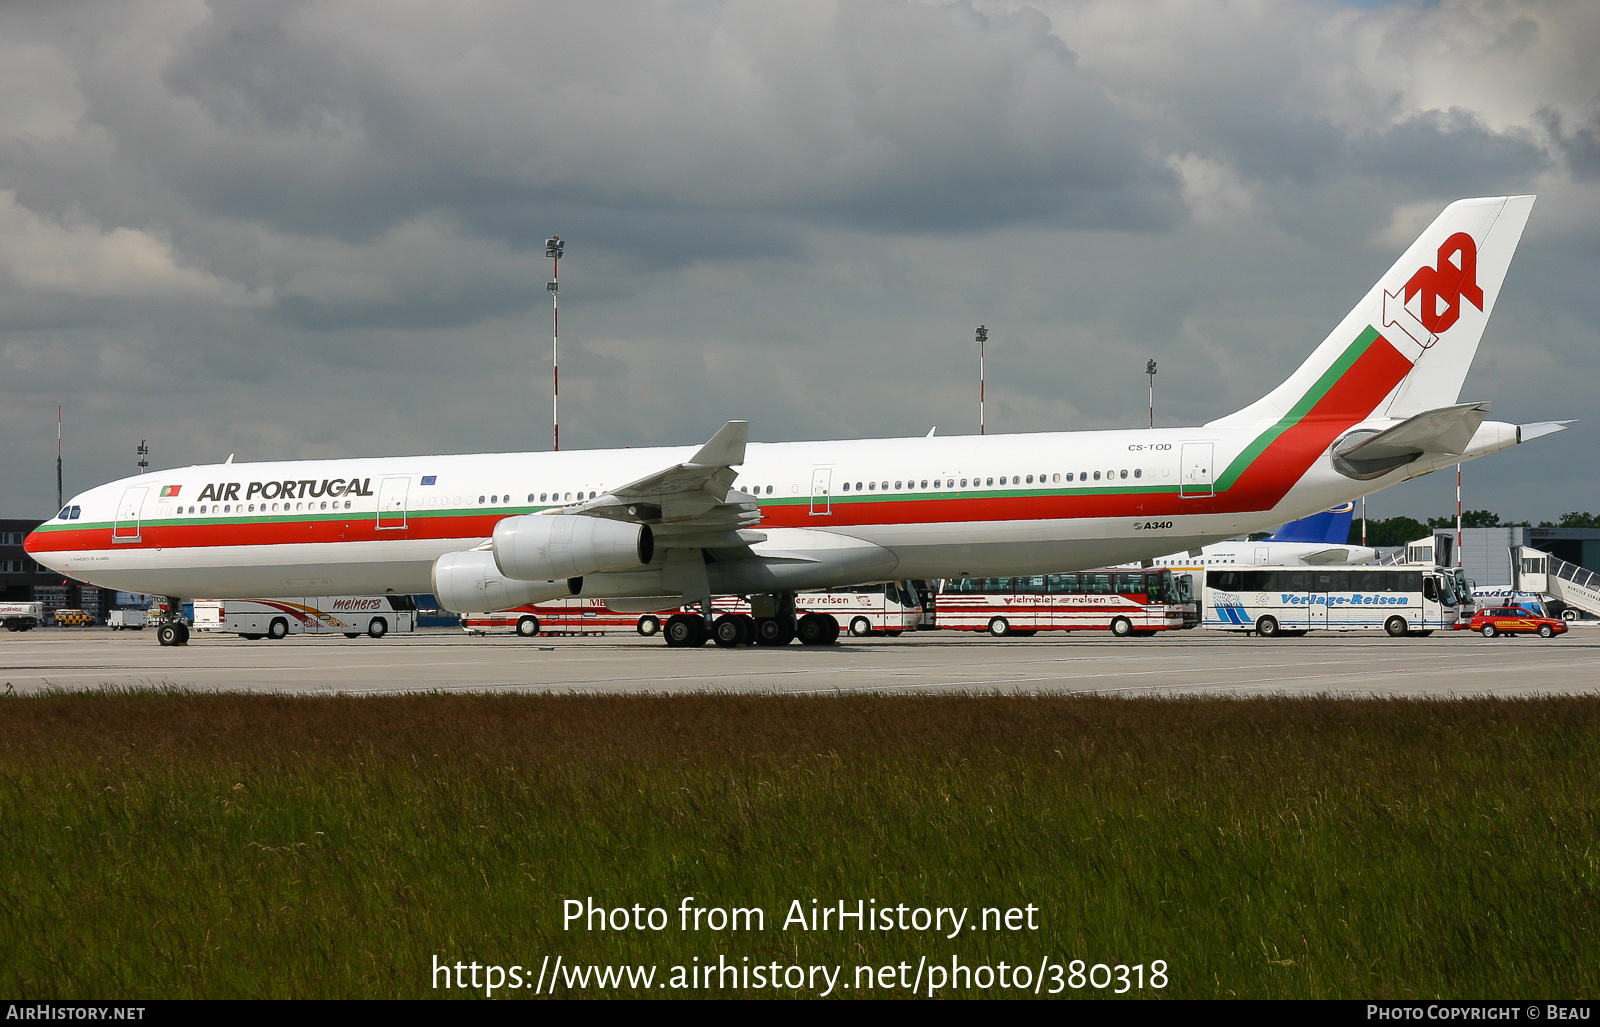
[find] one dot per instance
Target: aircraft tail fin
(1407, 346)
(1328, 526)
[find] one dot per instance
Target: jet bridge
(1537, 571)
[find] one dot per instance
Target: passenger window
(963, 483)
(347, 504)
(924, 483)
(1030, 479)
(1124, 474)
(1097, 476)
(872, 485)
(1138, 472)
(897, 484)
(845, 489)
(480, 500)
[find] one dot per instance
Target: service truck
(21, 616)
(351, 616)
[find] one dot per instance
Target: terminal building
(1486, 552)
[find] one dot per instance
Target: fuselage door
(126, 528)
(392, 503)
(821, 486)
(1196, 468)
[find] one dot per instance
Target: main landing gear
(773, 623)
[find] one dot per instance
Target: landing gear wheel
(774, 630)
(1122, 627)
(685, 630)
(860, 627)
(1395, 626)
(277, 629)
(1488, 631)
(999, 628)
(173, 634)
(378, 628)
(1546, 631)
(731, 630)
(648, 626)
(817, 629)
(528, 627)
(1267, 627)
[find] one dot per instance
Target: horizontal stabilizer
(1446, 431)
(1539, 429)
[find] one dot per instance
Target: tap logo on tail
(1438, 292)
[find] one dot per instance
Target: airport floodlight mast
(552, 249)
(982, 337)
(1150, 369)
(60, 500)
(144, 454)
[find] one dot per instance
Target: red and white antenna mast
(552, 249)
(981, 338)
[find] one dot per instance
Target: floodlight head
(983, 334)
(553, 247)
(1150, 368)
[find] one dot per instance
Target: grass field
(162, 844)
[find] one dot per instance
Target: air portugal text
(305, 488)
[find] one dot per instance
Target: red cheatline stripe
(1258, 487)
(1348, 402)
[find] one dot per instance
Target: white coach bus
(351, 616)
(1272, 601)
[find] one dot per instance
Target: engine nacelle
(539, 548)
(469, 582)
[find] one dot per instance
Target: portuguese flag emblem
(168, 491)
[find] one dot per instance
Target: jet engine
(469, 582)
(541, 548)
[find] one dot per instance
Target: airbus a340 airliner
(1374, 405)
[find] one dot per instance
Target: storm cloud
(316, 228)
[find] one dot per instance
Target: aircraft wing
(692, 504)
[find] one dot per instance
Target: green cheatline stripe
(1312, 397)
(840, 499)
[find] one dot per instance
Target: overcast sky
(310, 229)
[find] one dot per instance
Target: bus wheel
(1122, 627)
(999, 628)
(860, 626)
(774, 630)
(277, 629)
(1267, 627)
(685, 630)
(1395, 626)
(813, 629)
(378, 628)
(527, 627)
(648, 626)
(1546, 631)
(1488, 631)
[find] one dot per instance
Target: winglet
(726, 448)
(1539, 429)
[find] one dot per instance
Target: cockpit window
(76, 511)
(66, 512)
